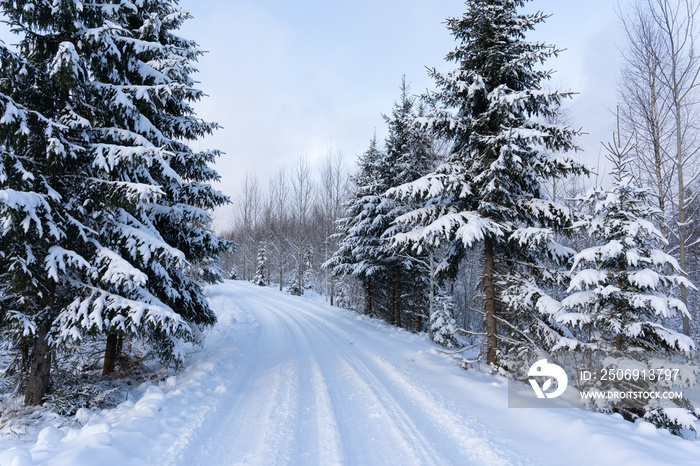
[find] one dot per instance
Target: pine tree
(131, 197)
(622, 287)
(261, 267)
(40, 166)
(358, 252)
(621, 292)
(489, 192)
(442, 324)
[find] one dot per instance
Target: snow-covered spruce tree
(138, 195)
(308, 277)
(358, 251)
(622, 286)
(409, 155)
(621, 292)
(40, 167)
(260, 277)
(489, 191)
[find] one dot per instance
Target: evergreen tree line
(104, 208)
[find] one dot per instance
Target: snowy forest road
(310, 384)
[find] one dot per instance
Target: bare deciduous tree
(302, 189)
(249, 204)
(279, 229)
(646, 110)
(333, 188)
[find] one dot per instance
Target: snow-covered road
(283, 380)
(311, 389)
(310, 384)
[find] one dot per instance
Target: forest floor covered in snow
(284, 380)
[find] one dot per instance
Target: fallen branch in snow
(502, 337)
(463, 362)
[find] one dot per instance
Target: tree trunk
(40, 369)
(431, 293)
(120, 344)
(300, 271)
(489, 281)
(368, 299)
(279, 262)
(268, 269)
(110, 354)
(655, 124)
(396, 300)
(681, 208)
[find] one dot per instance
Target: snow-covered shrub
(442, 325)
(260, 277)
(70, 392)
(293, 289)
(341, 298)
(76, 380)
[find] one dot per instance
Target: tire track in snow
(330, 446)
(284, 393)
(471, 439)
(391, 393)
(266, 412)
(316, 437)
(256, 424)
(305, 394)
(367, 412)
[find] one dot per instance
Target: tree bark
(368, 299)
(681, 211)
(332, 288)
(40, 369)
(110, 354)
(396, 300)
(489, 281)
(431, 294)
(279, 262)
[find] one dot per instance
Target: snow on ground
(283, 380)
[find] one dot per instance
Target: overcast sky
(294, 78)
